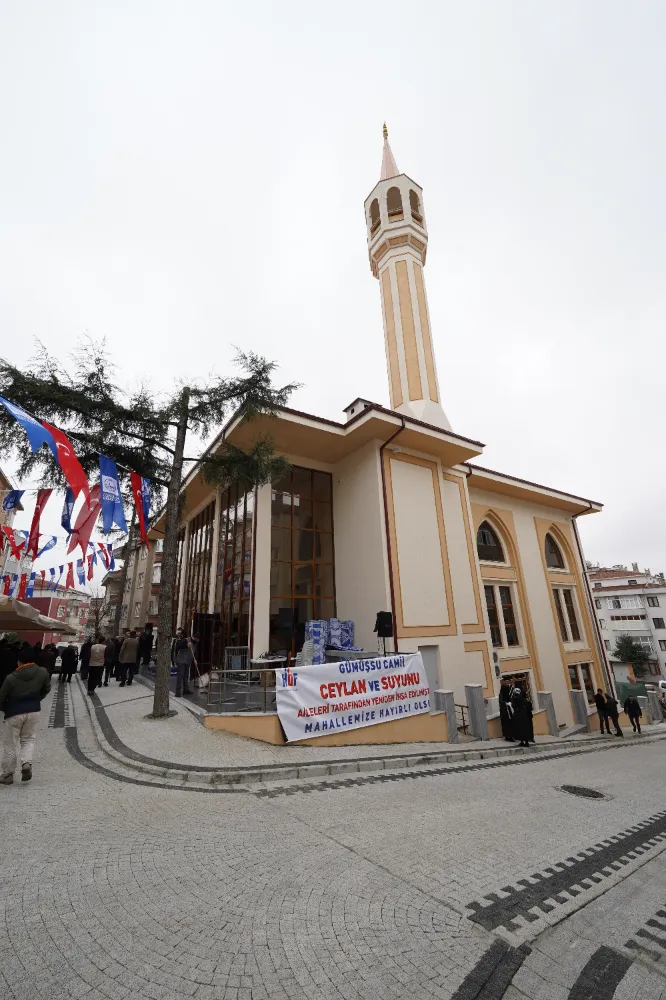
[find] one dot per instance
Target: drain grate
(585, 793)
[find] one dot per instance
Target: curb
(194, 775)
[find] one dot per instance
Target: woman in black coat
(521, 719)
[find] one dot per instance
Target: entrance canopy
(16, 616)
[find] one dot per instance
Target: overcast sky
(183, 177)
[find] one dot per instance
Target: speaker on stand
(384, 629)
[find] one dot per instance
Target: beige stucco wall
(262, 572)
(361, 567)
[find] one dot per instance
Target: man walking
(613, 713)
(68, 663)
(634, 711)
(129, 652)
(602, 711)
(84, 658)
(146, 644)
(21, 695)
(184, 662)
(96, 666)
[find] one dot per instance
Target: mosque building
(387, 510)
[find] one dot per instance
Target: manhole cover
(586, 793)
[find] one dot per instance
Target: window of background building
(602, 623)
(597, 585)
(157, 573)
(151, 608)
(597, 603)
(198, 564)
(159, 545)
(607, 644)
(653, 602)
(302, 554)
(488, 545)
(144, 551)
(137, 609)
(501, 615)
(60, 613)
(633, 583)
(662, 644)
(658, 622)
(141, 579)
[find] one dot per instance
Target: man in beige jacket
(128, 657)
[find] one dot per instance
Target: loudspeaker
(287, 621)
(384, 624)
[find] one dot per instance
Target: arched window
(394, 201)
(374, 215)
(488, 544)
(415, 205)
(554, 557)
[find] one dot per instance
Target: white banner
(335, 697)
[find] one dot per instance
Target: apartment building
(631, 602)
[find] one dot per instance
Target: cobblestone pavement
(432, 887)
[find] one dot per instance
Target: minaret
(398, 242)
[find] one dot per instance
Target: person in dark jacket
(129, 655)
(21, 695)
(9, 647)
(146, 644)
(634, 711)
(84, 659)
(185, 660)
(505, 710)
(520, 716)
(70, 659)
(48, 658)
(613, 712)
(602, 711)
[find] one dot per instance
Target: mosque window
(415, 205)
(394, 203)
(554, 557)
(488, 544)
(374, 215)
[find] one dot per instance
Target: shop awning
(16, 616)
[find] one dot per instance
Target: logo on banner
(289, 678)
(109, 487)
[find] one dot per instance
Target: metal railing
(462, 719)
(250, 690)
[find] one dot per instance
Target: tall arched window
(554, 557)
(374, 215)
(488, 544)
(415, 205)
(394, 202)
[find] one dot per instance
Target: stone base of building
(428, 728)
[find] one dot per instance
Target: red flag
(69, 582)
(42, 573)
(23, 583)
(104, 553)
(33, 539)
(7, 585)
(90, 565)
(85, 522)
(11, 538)
(69, 463)
(135, 480)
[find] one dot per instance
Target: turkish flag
(11, 538)
(69, 463)
(23, 585)
(7, 584)
(42, 573)
(33, 539)
(136, 481)
(85, 522)
(69, 582)
(90, 565)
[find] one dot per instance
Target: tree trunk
(123, 576)
(169, 566)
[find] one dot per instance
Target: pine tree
(144, 433)
(627, 650)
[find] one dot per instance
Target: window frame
(578, 670)
(658, 623)
(497, 622)
(486, 524)
(565, 612)
(653, 602)
(558, 548)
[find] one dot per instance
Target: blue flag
(29, 592)
(68, 510)
(52, 580)
(60, 572)
(112, 563)
(37, 433)
(112, 504)
(80, 572)
(48, 544)
(12, 500)
(14, 582)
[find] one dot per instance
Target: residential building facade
(631, 602)
(68, 606)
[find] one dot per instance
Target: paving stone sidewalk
(183, 740)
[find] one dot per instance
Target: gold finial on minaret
(385, 131)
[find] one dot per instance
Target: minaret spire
(389, 166)
(398, 243)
